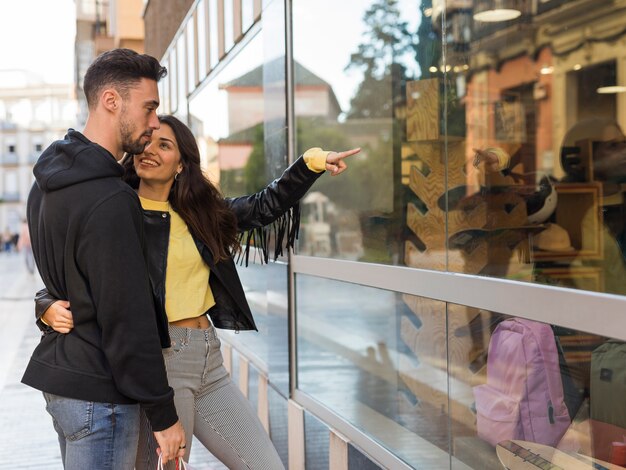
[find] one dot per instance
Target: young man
(87, 239)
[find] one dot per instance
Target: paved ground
(27, 439)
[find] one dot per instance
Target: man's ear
(110, 99)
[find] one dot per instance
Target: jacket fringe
(258, 240)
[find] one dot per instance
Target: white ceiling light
(496, 10)
(606, 90)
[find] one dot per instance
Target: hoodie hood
(75, 159)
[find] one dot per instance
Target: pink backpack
(523, 396)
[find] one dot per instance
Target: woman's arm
(52, 313)
(264, 207)
(277, 204)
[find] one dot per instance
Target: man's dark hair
(120, 69)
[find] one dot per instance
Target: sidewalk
(27, 438)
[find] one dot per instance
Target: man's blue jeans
(94, 435)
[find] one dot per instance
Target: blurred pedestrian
(24, 246)
(7, 240)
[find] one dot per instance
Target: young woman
(191, 234)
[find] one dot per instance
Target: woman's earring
(176, 176)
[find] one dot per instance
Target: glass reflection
(228, 117)
(229, 113)
(355, 95)
(365, 354)
(522, 389)
(493, 160)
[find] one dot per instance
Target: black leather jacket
(254, 213)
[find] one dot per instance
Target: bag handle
(180, 464)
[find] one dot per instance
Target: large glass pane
(229, 117)
(247, 14)
(231, 110)
(214, 33)
(506, 158)
(191, 53)
(181, 82)
(378, 360)
(522, 389)
(355, 90)
(538, 194)
(173, 82)
(202, 39)
(229, 34)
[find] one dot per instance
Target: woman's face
(160, 160)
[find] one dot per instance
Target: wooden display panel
(578, 212)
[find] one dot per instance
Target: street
(27, 438)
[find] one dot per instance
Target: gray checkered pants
(210, 407)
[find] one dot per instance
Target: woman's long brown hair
(198, 202)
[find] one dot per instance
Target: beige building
(32, 114)
(101, 26)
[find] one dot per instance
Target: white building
(32, 115)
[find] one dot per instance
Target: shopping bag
(180, 464)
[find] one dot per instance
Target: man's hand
(171, 442)
(335, 163)
(59, 317)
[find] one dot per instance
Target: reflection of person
(23, 245)
(86, 232)
(608, 163)
(192, 273)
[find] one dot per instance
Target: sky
(38, 36)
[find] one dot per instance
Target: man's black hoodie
(87, 238)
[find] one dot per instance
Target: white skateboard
(524, 455)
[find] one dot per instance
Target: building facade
(102, 25)
(32, 114)
(487, 202)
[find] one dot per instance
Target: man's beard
(134, 147)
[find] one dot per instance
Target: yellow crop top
(187, 291)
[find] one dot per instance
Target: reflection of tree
(428, 48)
(231, 182)
(360, 189)
(387, 39)
(254, 172)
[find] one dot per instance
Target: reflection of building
(32, 114)
(102, 25)
(246, 110)
(315, 97)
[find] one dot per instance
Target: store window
(216, 33)
(352, 91)
(247, 14)
(181, 58)
(202, 33)
(229, 31)
(172, 77)
(488, 161)
(449, 386)
(361, 354)
(525, 390)
(192, 61)
(228, 116)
